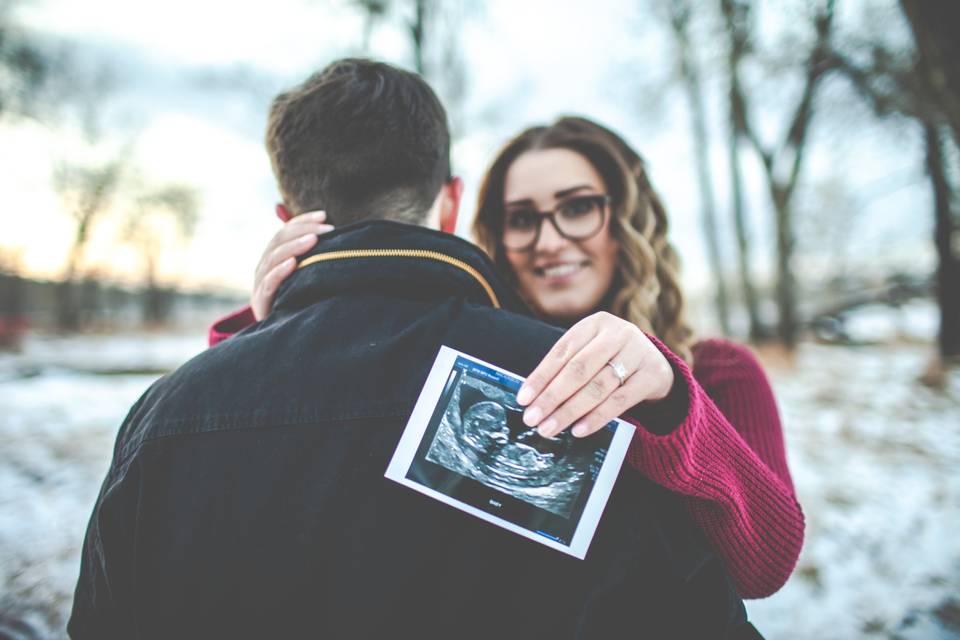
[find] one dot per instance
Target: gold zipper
(405, 253)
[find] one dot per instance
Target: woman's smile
(563, 279)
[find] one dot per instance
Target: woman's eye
(576, 207)
(522, 219)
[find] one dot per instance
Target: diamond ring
(620, 370)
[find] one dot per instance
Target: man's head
(362, 139)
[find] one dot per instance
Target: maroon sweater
(727, 458)
(718, 442)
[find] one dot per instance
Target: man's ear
(450, 205)
(283, 213)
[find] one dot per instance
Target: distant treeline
(93, 304)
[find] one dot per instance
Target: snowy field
(875, 457)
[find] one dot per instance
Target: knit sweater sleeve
(727, 457)
(230, 324)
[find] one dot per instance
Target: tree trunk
(95, 188)
(68, 306)
(13, 311)
(756, 328)
(153, 304)
(708, 205)
(929, 93)
(417, 32)
(368, 21)
(736, 16)
(701, 147)
(945, 235)
(934, 26)
(782, 164)
(788, 326)
(68, 297)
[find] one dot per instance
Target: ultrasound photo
(482, 436)
(465, 445)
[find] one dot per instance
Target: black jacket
(246, 495)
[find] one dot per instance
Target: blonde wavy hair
(646, 289)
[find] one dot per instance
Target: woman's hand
(279, 259)
(577, 383)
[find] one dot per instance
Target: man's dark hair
(360, 139)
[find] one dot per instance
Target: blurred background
(808, 153)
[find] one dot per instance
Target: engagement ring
(620, 370)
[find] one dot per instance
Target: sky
(191, 83)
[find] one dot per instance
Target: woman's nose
(550, 239)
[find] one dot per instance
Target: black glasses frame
(604, 201)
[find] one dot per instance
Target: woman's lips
(559, 273)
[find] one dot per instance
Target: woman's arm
(713, 436)
(233, 322)
(279, 260)
(727, 457)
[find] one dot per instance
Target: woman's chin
(562, 315)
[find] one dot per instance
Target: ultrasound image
(482, 436)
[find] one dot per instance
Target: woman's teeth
(560, 270)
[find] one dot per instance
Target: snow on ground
(57, 426)
(875, 458)
(876, 461)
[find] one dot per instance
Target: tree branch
(736, 17)
(817, 67)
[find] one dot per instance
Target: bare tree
(40, 74)
(935, 35)
(680, 14)
(938, 49)
(160, 217)
(88, 192)
(434, 29)
(923, 85)
(736, 15)
(25, 65)
(782, 163)
(13, 322)
(945, 235)
(373, 13)
(418, 31)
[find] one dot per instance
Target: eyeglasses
(577, 218)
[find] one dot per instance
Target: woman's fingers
(615, 404)
(265, 281)
(295, 247)
(298, 226)
(303, 225)
(578, 376)
(604, 386)
(576, 384)
(579, 370)
(569, 344)
(278, 261)
(262, 298)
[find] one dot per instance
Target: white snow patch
(875, 458)
(57, 429)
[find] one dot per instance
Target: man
(246, 495)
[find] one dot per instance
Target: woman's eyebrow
(566, 192)
(558, 195)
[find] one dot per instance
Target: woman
(568, 215)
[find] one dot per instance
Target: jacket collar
(398, 259)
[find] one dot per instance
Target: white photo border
(419, 422)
